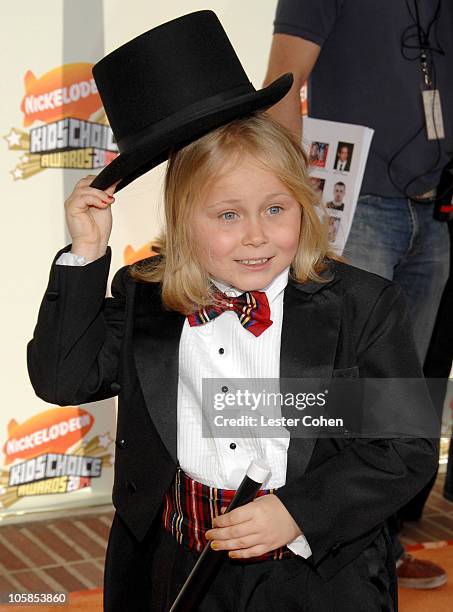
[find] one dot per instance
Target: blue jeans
(398, 239)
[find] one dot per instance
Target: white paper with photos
(337, 155)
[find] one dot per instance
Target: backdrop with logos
(54, 131)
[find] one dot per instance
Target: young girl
(241, 233)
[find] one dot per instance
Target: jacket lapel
(310, 330)
(156, 351)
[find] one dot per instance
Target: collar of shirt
(272, 290)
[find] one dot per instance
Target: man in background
(395, 49)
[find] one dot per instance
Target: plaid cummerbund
(189, 508)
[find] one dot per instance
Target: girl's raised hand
(89, 218)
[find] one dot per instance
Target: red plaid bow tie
(251, 307)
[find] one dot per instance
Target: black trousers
(147, 576)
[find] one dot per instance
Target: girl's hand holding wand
(254, 529)
(89, 218)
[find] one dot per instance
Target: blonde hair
(185, 284)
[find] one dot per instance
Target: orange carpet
(84, 601)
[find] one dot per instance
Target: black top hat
(168, 87)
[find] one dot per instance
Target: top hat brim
(155, 149)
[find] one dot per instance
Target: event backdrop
(54, 132)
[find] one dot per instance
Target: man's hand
(254, 529)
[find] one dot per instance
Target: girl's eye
(275, 209)
(228, 216)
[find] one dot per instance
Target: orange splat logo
(68, 124)
(65, 91)
(53, 430)
(131, 256)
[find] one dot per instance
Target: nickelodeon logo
(74, 130)
(53, 430)
(66, 91)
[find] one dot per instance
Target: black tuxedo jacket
(340, 491)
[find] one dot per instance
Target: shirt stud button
(224, 389)
(221, 351)
(232, 446)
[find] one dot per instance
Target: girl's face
(246, 227)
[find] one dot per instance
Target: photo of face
(332, 228)
(318, 154)
(343, 156)
(339, 191)
(246, 227)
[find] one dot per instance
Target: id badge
(433, 114)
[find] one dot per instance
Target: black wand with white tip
(209, 562)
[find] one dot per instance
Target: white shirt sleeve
(70, 259)
(300, 546)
